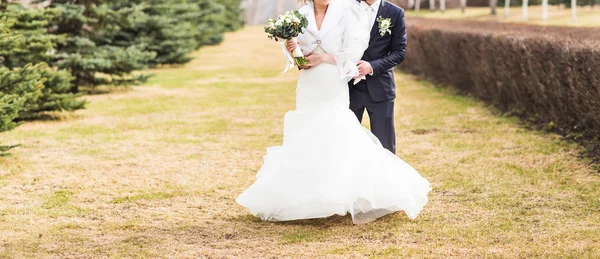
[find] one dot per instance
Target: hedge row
(548, 75)
(566, 3)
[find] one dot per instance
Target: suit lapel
(381, 12)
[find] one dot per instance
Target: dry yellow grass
(557, 16)
(154, 171)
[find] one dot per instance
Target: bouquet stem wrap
(299, 56)
(289, 60)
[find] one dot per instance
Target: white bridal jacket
(344, 33)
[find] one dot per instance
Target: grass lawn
(153, 171)
(586, 16)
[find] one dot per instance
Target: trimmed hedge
(548, 75)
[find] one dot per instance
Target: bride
(329, 164)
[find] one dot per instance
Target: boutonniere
(384, 25)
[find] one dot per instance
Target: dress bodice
(319, 50)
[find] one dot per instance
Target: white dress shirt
(371, 11)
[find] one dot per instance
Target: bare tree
(545, 10)
(442, 5)
(28, 3)
(418, 5)
(432, 5)
(258, 11)
(411, 4)
(525, 10)
(463, 5)
(506, 8)
(493, 4)
(574, 9)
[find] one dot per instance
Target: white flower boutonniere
(384, 25)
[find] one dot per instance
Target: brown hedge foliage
(449, 4)
(549, 75)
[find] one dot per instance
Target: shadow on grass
(329, 222)
(4, 149)
(319, 222)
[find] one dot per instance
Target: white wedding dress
(329, 164)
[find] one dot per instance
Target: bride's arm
(315, 59)
(354, 43)
(328, 58)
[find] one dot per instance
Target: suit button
(319, 42)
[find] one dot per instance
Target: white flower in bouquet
(287, 27)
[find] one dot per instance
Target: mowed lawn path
(154, 171)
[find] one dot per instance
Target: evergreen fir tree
(20, 88)
(85, 51)
(211, 23)
(161, 26)
(234, 19)
(35, 47)
(174, 28)
(216, 18)
(10, 104)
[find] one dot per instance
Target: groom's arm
(398, 50)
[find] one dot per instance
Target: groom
(386, 49)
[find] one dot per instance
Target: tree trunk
(493, 4)
(411, 4)
(525, 10)
(545, 10)
(506, 8)
(463, 6)
(432, 5)
(418, 5)
(574, 9)
(442, 5)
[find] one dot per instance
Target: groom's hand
(364, 68)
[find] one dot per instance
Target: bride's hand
(291, 45)
(314, 59)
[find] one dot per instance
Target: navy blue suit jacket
(384, 53)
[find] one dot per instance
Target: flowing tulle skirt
(330, 164)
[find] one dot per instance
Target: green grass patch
(58, 199)
(303, 236)
(143, 197)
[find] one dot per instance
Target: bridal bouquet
(287, 27)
